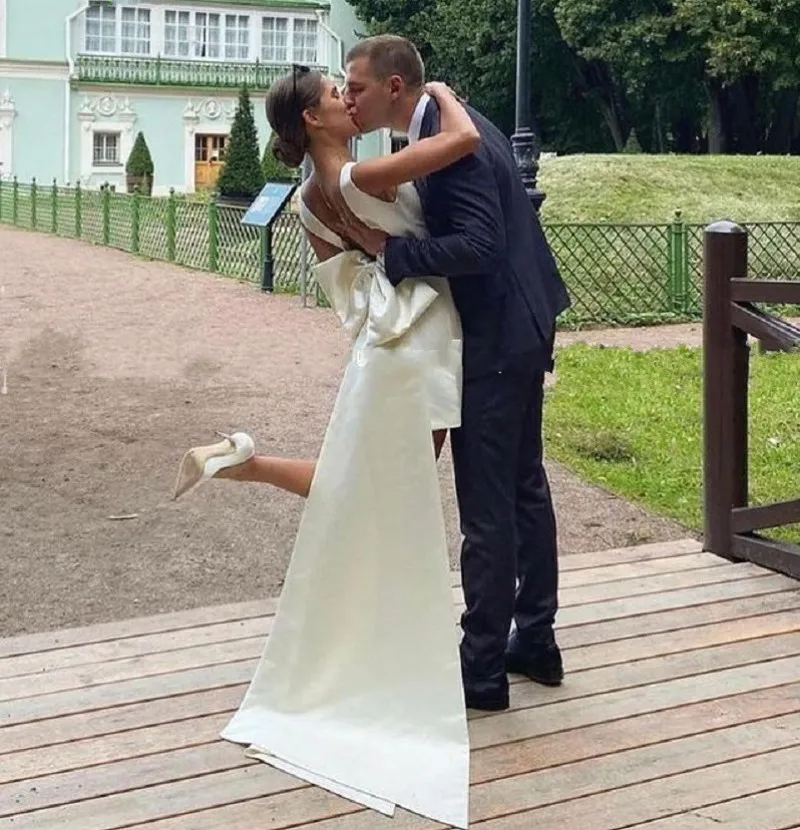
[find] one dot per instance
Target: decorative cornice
(34, 70)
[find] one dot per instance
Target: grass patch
(645, 188)
(632, 422)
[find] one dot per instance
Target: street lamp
(523, 139)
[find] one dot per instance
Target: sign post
(262, 214)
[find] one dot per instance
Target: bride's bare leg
(292, 474)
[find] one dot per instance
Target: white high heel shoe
(202, 463)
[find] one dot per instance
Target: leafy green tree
(242, 176)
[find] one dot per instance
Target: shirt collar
(415, 126)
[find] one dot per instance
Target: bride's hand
(439, 89)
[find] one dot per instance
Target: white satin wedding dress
(358, 689)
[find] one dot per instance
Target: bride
(359, 686)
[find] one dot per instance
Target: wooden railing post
(725, 383)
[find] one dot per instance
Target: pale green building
(79, 80)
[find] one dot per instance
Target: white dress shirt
(416, 119)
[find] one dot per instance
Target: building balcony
(172, 72)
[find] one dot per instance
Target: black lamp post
(523, 139)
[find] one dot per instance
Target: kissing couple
(435, 263)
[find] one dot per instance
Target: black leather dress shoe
(487, 701)
(542, 664)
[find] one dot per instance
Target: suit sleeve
(467, 193)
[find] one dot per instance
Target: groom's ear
(396, 86)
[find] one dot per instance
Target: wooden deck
(680, 711)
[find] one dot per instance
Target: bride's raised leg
(234, 459)
(292, 474)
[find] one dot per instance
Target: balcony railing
(172, 72)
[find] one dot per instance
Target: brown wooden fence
(731, 314)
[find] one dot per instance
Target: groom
(486, 238)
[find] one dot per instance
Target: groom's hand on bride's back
(370, 240)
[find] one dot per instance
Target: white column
(8, 112)
(191, 118)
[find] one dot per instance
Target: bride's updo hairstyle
(286, 101)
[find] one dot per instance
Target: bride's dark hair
(286, 101)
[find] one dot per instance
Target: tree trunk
(716, 130)
(599, 86)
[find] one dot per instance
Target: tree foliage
(242, 175)
(686, 75)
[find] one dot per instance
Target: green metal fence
(617, 274)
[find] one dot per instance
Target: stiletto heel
(202, 463)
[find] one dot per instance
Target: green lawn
(643, 188)
(631, 423)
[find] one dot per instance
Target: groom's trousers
(509, 561)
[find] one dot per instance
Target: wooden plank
(573, 782)
(781, 291)
(558, 748)
(636, 553)
(46, 791)
(150, 665)
(126, 647)
(764, 326)
(775, 809)
(618, 808)
(609, 631)
(627, 570)
(659, 583)
(577, 780)
(110, 748)
(297, 808)
(104, 632)
(672, 642)
(650, 603)
(670, 590)
(746, 519)
(520, 724)
(129, 691)
(655, 670)
(252, 781)
(71, 729)
(768, 553)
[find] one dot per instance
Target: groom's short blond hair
(391, 55)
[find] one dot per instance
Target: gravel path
(115, 366)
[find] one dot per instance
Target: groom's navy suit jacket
(486, 237)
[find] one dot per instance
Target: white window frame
(91, 122)
(180, 15)
(102, 12)
(302, 59)
(275, 18)
(291, 52)
(206, 28)
(233, 22)
(106, 163)
(138, 12)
